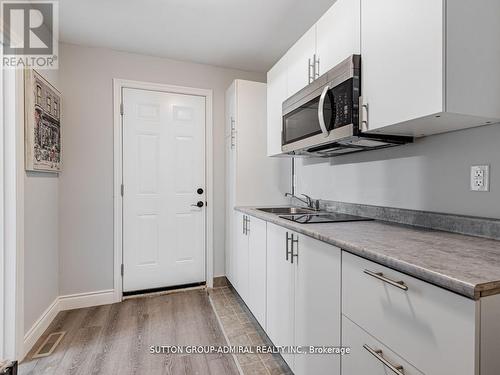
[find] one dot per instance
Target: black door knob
(199, 191)
(199, 204)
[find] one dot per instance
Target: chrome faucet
(311, 203)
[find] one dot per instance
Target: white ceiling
(241, 34)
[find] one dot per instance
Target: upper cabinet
(401, 60)
(337, 35)
(300, 62)
(331, 40)
(429, 66)
(276, 94)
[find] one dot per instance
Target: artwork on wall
(42, 124)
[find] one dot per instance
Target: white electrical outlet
(480, 178)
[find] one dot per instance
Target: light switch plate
(480, 178)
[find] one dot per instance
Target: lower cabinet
(257, 265)
(317, 304)
(240, 252)
(303, 298)
(430, 327)
(369, 356)
(305, 293)
(248, 255)
(280, 287)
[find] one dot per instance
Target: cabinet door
(298, 61)
(431, 327)
(257, 269)
(317, 304)
(338, 34)
(402, 59)
(241, 258)
(280, 295)
(231, 225)
(276, 95)
(362, 361)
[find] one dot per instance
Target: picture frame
(42, 105)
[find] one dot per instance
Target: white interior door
(163, 168)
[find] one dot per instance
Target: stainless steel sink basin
(287, 210)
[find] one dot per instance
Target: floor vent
(49, 345)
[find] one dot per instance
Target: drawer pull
(397, 369)
(380, 276)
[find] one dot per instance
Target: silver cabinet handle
(316, 67)
(397, 369)
(380, 276)
(233, 140)
(248, 225)
(310, 69)
(363, 122)
(294, 241)
(233, 133)
(244, 224)
(288, 252)
(321, 115)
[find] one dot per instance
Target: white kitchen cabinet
(338, 34)
(432, 328)
(303, 298)
(280, 290)
(369, 356)
(240, 253)
(257, 266)
(317, 304)
(249, 264)
(247, 161)
(276, 95)
(298, 58)
(429, 66)
(328, 42)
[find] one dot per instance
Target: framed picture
(42, 103)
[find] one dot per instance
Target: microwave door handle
(321, 116)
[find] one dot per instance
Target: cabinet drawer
(430, 327)
(369, 356)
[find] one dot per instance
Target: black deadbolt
(199, 191)
(200, 204)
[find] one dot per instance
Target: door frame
(118, 86)
(12, 214)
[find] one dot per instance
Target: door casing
(118, 86)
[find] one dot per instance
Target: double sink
(309, 216)
(288, 211)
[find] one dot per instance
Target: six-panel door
(163, 167)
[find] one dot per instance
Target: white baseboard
(62, 303)
(39, 327)
(80, 300)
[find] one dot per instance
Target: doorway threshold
(161, 291)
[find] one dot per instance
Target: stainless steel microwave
(322, 119)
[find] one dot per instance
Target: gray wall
(86, 185)
(431, 175)
(41, 226)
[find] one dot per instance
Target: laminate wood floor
(115, 339)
